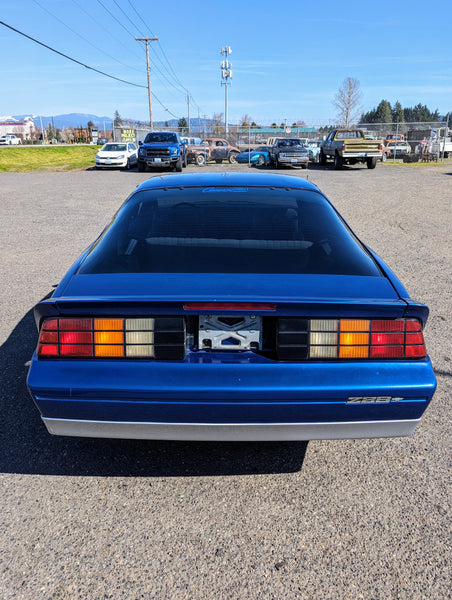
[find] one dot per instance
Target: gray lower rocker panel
(230, 432)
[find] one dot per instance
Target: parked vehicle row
(170, 151)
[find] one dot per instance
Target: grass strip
(46, 158)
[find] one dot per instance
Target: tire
(178, 165)
(232, 158)
(322, 158)
(277, 165)
(261, 161)
(184, 164)
(304, 166)
(141, 166)
(200, 160)
(383, 157)
(128, 165)
(337, 162)
(371, 162)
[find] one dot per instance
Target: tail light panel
(285, 338)
(152, 338)
(325, 339)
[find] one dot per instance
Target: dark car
(230, 306)
(101, 141)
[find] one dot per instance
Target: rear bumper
(346, 155)
(249, 397)
(231, 432)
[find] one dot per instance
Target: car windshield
(228, 230)
(291, 142)
(160, 138)
(114, 148)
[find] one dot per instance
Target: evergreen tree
(398, 115)
(384, 112)
(117, 121)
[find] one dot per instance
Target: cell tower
(226, 76)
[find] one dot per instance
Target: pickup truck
(10, 140)
(289, 151)
(349, 146)
(396, 148)
(162, 149)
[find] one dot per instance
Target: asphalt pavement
(94, 519)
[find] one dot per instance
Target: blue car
(258, 156)
(230, 306)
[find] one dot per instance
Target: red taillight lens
(76, 350)
(66, 338)
(75, 324)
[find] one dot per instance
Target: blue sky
(288, 59)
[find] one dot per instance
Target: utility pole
(147, 40)
(188, 110)
(226, 75)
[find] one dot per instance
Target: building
(24, 129)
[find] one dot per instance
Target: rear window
(228, 230)
(349, 135)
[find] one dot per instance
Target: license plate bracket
(231, 333)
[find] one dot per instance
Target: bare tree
(348, 102)
(217, 120)
(246, 121)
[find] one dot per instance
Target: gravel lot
(93, 519)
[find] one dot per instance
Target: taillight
(319, 339)
(159, 338)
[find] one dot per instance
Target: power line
(130, 33)
(107, 31)
(117, 20)
(127, 17)
(173, 73)
(70, 58)
(83, 38)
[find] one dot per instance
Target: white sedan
(117, 154)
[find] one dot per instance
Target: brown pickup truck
(216, 149)
(350, 146)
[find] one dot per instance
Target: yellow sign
(128, 135)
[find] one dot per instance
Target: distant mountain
(69, 120)
(81, 119)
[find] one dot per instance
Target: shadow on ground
(27, 448)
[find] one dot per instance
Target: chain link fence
(431, 139)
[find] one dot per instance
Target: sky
(288, 60)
